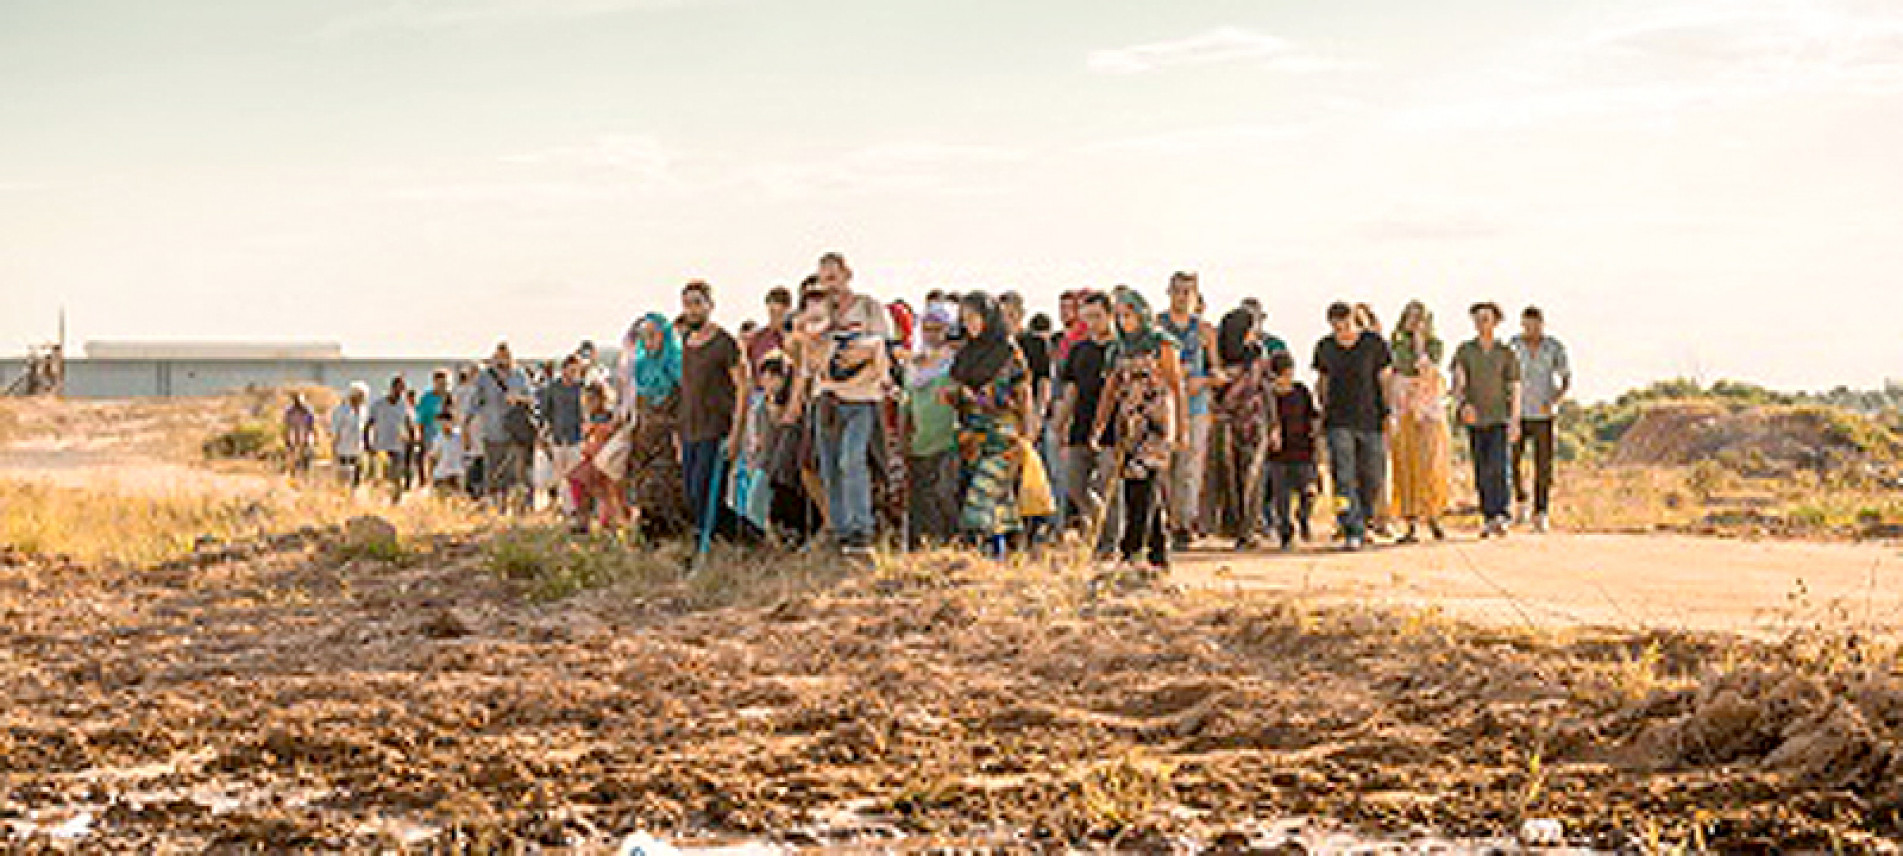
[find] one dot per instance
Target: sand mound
(1770, 438)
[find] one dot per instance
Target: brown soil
(289, 700)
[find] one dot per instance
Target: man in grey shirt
(1546, 377)
(501, 386)
(392, 427)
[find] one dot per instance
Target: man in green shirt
(1487, 387)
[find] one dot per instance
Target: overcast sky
(1703, 188)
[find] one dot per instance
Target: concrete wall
(87, 378)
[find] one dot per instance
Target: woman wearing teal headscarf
(1144, 393)
(653, 356)
(650, 378)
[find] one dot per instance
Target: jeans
(1143, 522)
(1087, 488)
(700, 464)
(1186, 476)
(1290, 499)
(1358, 460)
(845, 468)
(1540, 433)
(932, 509)
(1489, 445)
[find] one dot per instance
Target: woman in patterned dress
(1422, 457)
(650, 395)
(1242, 412)
(993, 395)
(1144, 393)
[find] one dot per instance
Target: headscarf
(1147, 339)
(1232, 338)
(652, 375)
(984, 355)
(929, 364)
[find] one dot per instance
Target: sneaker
(1541, 523)
(1526, 514)
(1434, 527)
(1288, 545)
(1354, 544)
(1500, 526)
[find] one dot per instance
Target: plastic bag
(1035, 498)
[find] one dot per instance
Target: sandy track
(1627, 580)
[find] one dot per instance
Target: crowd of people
(844, 420)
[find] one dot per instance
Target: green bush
(254, 441)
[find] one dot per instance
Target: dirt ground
(1757, 588)
(291, 695)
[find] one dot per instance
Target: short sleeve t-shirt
(707, 394)
(1084, 371)
(1491, 373)
(390, 423)
(427, 409)
(1354, 382)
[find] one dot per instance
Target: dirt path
(1650, 580)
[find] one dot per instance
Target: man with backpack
(505, 412)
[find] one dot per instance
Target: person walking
(448, 455)
(1243, 421)
(1352, 367)
(1292, 452)
(504, 412)
(347, 424)
(590, 485)
(462, 400)
(1146, 397)
(1487, 388)
(713, 373)
(392, 428)
(1202, 369)
(1087, 461)
(930, 428)
(649, 378)
(1422, 454)
(1546, 377)
(565, 417)
(300, 435)
(994, 398)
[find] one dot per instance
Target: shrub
(255, 441)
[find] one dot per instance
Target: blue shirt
(1189, 348)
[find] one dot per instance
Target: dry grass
(141, 528)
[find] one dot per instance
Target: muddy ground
(281, 697)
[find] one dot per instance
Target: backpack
(519, 423)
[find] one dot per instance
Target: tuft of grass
(554, 564)
(1122, 792)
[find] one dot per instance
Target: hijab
(1147, 339)
(984, 355)
(653, 375)
(1232, 338)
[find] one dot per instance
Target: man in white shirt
(347, 424)
(1546, 377)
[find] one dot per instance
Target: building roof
(186, 350)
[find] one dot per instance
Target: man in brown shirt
(1487, 386)
(713, 372)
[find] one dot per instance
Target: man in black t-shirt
(713, 373)
(1352, 368)
(1087, 472)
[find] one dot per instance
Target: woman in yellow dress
(1421, 451)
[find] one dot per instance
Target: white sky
(1704, 188)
